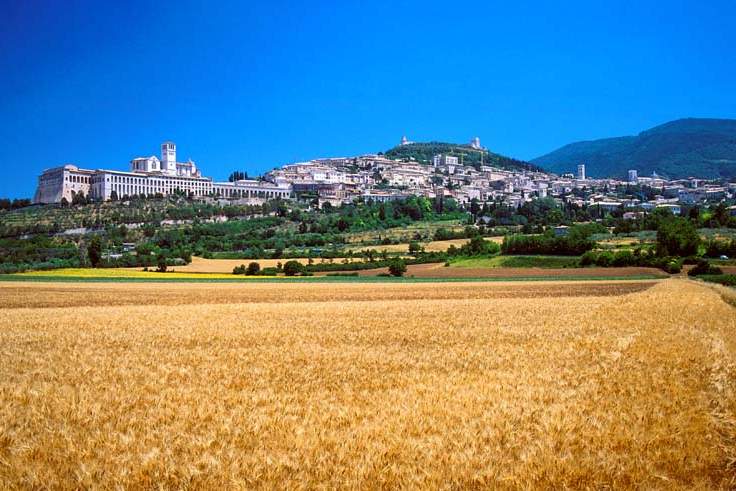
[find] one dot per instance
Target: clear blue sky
(248, 85)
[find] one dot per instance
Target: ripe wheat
(370, 386)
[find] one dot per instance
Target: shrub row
(717, 248)
(251, 270)
(624, 258)
(545, 244)
(723, 279)
(9, 268)
(703, 267)
(476, 246)
(424, 258)
(290, 268)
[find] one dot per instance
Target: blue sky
(252, 85)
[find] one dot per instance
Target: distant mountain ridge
(691, 147)
(423, 153)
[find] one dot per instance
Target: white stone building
(150, 176)
(167, 165)
(581, 172)
(61, 182)
(445, 160)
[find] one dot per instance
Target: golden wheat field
(349, 385)
(431, 246)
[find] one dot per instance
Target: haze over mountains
(677, 149)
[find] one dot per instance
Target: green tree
(161, 262)
(474, 207)
(677, 237)
(694, 214)
(253, 269)
(79, 198)
(94, 251)
(292, 268)
(281, 209)
(342, 225)
(415, 247)
(478, 246)
(720, 214)
(397, 267)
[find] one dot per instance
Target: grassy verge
(721, 279)
(517, 262)
(722, 262)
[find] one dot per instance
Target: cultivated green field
(517, 262)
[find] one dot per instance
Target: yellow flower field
(129, 273)
(280, 386)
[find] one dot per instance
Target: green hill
(423, 153)
(678, 149)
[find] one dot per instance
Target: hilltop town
(464, 173)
